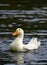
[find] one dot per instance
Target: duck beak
(15, 33)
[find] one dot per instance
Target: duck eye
(19, 29)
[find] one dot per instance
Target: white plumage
(17, 44)
(33, 44)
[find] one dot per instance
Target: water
(32, 17)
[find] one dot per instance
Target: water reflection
(4, 4)
(18, 58)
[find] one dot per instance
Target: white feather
(17, 44)
(33, 44)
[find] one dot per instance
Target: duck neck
(21, 36)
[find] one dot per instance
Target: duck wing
(32, 44)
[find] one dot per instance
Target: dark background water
(31, 15)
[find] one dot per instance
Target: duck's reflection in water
(18, 58)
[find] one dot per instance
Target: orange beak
(15, 33)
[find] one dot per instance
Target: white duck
(17, 44)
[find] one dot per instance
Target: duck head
(19, 32)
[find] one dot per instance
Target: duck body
(18, 46)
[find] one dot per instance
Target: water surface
(30, 16)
